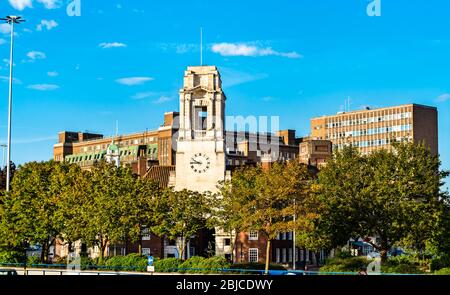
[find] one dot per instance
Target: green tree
(178, 215)
(393, 195)
(103, 211)
(268, 199)
(30, 209)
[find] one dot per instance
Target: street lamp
(12, 20)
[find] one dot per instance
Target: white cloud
(231, 77)
(48, 24)
(50, 4)
(33, 140)
(6, 79)
(21, 4)
(163, 99)
(112, 45)
(2, 41)
(5, 28)
(52, 74)
(43, 87)
(34, 55)
(131, 81)
(242, 49)
(142, 95)
(443, 97)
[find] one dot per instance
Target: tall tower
(200, 153)
(113, 154)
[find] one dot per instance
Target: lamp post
(3, 146)
(12, 20)
(293, 240)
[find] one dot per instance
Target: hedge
(353, 264)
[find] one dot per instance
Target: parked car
(8, 272)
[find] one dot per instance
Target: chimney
(266, 162)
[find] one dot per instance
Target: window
(277, 255)
(253, 235)
(283, 254)
(253, 255)
(290, 254)
(171, 243)
(200, 118)
(145, 251)
(227, 242)
(145, 234)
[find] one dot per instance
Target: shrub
(167, 264)
(12, 256)
(440, 262)
(214, 263)
(402, 264)
(401, 269)
(131, 262)
(353, 264)
(254, 266)
(443, 271)
(36, 259)
(192, 264)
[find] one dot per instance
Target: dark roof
(160, 174)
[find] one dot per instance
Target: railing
(62, 269)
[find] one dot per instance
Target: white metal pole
(293, 241)
(8, 158)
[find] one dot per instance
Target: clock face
(200, 163)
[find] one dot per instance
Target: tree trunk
(43, 253)
(267, 256)
(180, 247)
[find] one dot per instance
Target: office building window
(290, 254)
(277, 255)
(253, 255)
(253, 235)
(145, 234)
(283, 255)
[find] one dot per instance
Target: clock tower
(200, 155)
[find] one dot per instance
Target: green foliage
(131, 262)
(353, 264)
(393, 195)
(12, 256)
(31, 260)
(192, 264)
(214, 263)
(266, 199)
(404, 268)
(167, 264)
(443, 271)
(439, 262)
(405, 264)
(179, 215)
(256, 266)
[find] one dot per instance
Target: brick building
(373, 129)
(197, 132)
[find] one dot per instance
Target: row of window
(372, 143)
(369, 120)
(371, 131)
(124, 143)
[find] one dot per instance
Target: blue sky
(124, 60)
